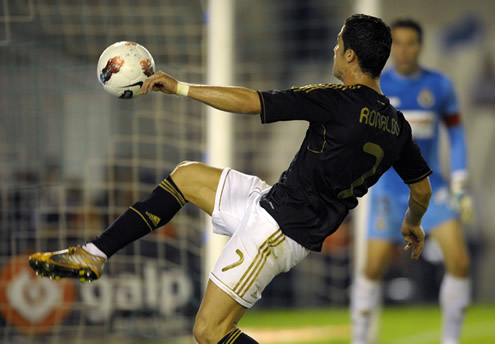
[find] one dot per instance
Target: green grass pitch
(399, 325)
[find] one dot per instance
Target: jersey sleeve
(411, 166)
(297, 104)
(449, 105)
(452, 119)
(458, 155)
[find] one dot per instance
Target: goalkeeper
(427, 99)
(354, 136)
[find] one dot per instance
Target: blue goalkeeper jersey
(426, 99)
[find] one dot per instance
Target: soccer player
(354, 136)
(427, 99)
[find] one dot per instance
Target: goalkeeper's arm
(231, 99)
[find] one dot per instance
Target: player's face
(405, 50)
(338, 57)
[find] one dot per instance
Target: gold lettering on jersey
(310, 88)
(377, 120)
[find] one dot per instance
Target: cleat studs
(57, 278)
(83, 280)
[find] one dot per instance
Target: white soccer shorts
(257, 250)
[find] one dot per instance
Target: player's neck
(357, 77)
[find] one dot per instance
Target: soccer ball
(123, 67)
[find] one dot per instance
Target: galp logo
(33, 305)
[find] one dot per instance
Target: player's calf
(142, 217)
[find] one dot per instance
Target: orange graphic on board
(32, 304)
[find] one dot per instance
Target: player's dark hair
(409, 24)
(371, 39)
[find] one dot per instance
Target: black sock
(236, 336)
(142, 217)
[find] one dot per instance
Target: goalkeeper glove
(462, 201)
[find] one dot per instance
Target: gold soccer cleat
(73, 262)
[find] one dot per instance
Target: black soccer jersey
(354, 136)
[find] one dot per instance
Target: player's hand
(414, 237)
(462, 201)
(160, 82)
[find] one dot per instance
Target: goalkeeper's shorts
(257, 250)
(387, 210)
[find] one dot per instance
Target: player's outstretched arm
(419, 198)
(230, 99)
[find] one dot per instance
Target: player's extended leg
(217, 318)
(257, 251)
(190, 181)
(366, 290)
(455, 291)
(198, 183)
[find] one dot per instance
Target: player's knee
(183, 171)
(460, 266)
(183, 168)
(199, 332)
(374, 271)
(204, 332)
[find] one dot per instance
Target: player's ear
(350, 55)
